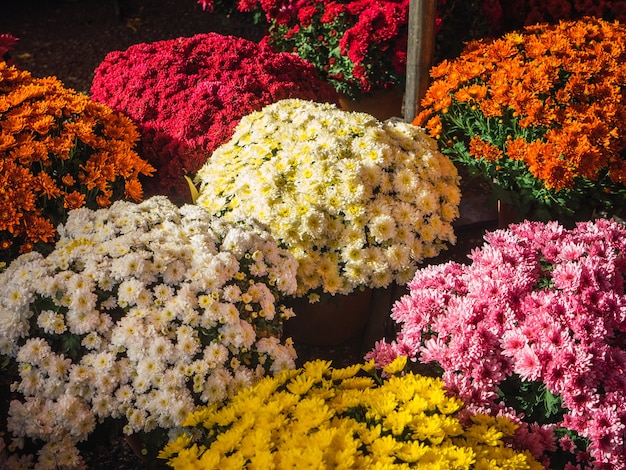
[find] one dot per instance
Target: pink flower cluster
(188, 94)
(540, 304)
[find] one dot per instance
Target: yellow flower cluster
(320, 417)
(357, 201)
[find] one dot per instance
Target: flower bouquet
(358, 202)
(60, 151)
(321, 417)
(540, 115)
(187, 94)
(533, 328)
(140, 314)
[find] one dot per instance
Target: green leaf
(552, 403)
(71, 345)
(533, 399)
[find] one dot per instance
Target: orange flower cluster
(540, 112)
(58, 151)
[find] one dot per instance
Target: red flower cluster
(282, 11)
(357, 45)
(379, 23)
(188, 94)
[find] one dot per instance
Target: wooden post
(420, 50)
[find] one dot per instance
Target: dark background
(69, 38)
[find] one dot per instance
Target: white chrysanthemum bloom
(321, 179)
(168, 309)
(216, 384)
(280, 356)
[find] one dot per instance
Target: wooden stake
(420, 50)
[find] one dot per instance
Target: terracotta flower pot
(382, 104)
(330, 322)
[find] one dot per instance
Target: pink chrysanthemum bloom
(533, 327)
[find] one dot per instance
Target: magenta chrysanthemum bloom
(533, 327)
(7, 43)
(188, 94)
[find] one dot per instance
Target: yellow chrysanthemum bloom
(345, 373)
(397, 365)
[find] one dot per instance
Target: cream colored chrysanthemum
(320, 179)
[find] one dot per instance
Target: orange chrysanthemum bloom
(540, 114)
(133, 189)
(58, 151)
(482, 149)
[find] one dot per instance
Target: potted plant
(360, 47)
(187, 94)
(323, 417)
(358, 202)
(357, 46)
(539, 114)
(533, 328)
(141, 313)
(60, 151)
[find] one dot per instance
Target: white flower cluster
(141, 313)
(358, 202)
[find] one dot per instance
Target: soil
(69, 39)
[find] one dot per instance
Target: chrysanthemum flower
(305, 171)
(141, 313)
(188, 94)
(59, 151)
(532, 328)
(539, 114)
(320, 417)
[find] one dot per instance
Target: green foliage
(532, 399)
